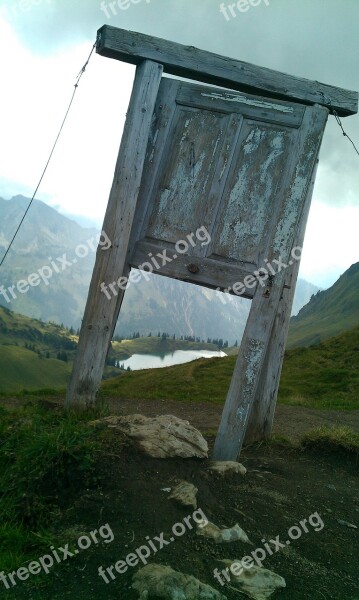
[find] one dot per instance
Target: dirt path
(290, 421)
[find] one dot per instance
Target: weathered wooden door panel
(250, 199)
(183, 197)
(217, 160)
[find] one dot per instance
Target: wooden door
(240, 168)
(223, 161)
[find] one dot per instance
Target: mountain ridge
(328, 312)
(157, 304)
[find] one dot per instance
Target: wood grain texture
(200, 65)
(100, 312)
(211, 273)
(255, 344)
(261, 419)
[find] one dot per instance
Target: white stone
(163, 582)
(256, 582)
(185, 494)
(227, 467)
(233, 534)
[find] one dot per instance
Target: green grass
(323, 376)
(332, 438)
(46, 456)
(22, 368)
(204, 380)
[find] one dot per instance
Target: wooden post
(262, 415)
(255, 345)
(103, 304)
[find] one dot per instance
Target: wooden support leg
(103, 303)
(262, 415)
(253, 355)
(249, 366)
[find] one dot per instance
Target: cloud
(46, 45)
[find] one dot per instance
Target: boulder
(164, 436)
(160, 581)
(185, 494)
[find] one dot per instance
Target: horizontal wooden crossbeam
(207, 67)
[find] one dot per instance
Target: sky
(44, 43)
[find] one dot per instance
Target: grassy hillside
(23, 369)
(323, 376)
(28, 353)
(328, 313)
(30, 350)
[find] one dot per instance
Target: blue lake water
(153, 361)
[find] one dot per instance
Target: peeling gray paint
(244, 100)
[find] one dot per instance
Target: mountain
(154, 304)
(329, 312)
(45, 236)
(304, 291)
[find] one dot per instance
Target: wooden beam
(112, 263)
(261, 419)
(200, 65)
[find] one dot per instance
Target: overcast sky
(44, 43)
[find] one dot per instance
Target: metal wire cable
(51, 153)
(338, 120)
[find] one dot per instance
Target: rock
(164, 436)
(227, 467)
(255, 582)
(160, 581)
(234, 534)
(185, 494)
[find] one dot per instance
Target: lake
(157, 361)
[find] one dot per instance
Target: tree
(62, 356)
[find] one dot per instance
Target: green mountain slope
(28, 353)
(23, 369)
(329, 312)
(323, 376)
